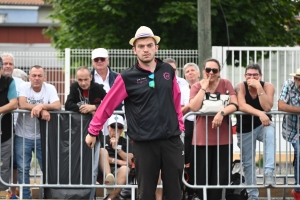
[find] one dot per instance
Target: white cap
(99, 53)
(116, 118)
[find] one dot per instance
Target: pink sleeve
(176, 98)
(112, 99)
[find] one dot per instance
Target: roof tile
(22, 2)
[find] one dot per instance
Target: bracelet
(113, 160)
(91, 134)
(236, 106)
(203, 89)
(261, 94)
(119, 150)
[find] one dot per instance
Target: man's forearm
(52, 106)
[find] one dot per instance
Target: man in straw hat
(152, 104)
(289, 101)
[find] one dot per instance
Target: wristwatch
(222, 113)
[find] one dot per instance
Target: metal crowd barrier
(54, 130)
(283, 158)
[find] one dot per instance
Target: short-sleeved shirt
(12, 92)
(47, 95)
(290, 94)
(225, 137)
(122, 144)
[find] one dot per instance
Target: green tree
(112, 23)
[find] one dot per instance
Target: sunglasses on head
(97, 59)
(214, 70)
(151, 83)
(113, 126)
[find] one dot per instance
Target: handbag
(213, 103)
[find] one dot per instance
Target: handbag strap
(218, 95)
(207, 94)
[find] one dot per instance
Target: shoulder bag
(213, 103)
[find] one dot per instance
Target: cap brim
(156, 38)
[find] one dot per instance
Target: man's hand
(36, 110)
(45, 115)
(265, 120)
(86, 108)
(253, 83)
(90, 141)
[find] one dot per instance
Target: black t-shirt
(122, 144)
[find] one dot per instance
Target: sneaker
(106, 198)
(110, 180)
(296, 195)
(269, 179)
(193, 197)
(11, 196)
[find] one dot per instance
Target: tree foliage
(112, 23)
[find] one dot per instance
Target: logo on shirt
(31, 100)
(166, 75)
(141, 80)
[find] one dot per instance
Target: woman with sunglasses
(212, 133)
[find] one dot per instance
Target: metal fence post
(67, 71)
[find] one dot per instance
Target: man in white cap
(289, 102)
(108, 162)
(150, 90)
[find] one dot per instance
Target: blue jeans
(263, 134)
(26, 160)
(295, 146)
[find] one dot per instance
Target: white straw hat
(297, 74)
(142, 32)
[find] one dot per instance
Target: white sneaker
(110, 180)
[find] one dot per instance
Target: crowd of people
(154, 99)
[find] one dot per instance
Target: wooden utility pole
(204, 30)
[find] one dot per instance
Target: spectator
(8, 102)
(212, 132)
(181, 81)
(255, 97)
(38, 97)
(289, 102)
(20, 74)
(192, 73)
(85, 95)
(102, 73)
(149, 90)
(111, 143)
(9, 66)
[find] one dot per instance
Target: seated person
(115, 142)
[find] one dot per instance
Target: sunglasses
(214, 70)
(254, 75)
(151, 83)
(97, 59)
(113, 126)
